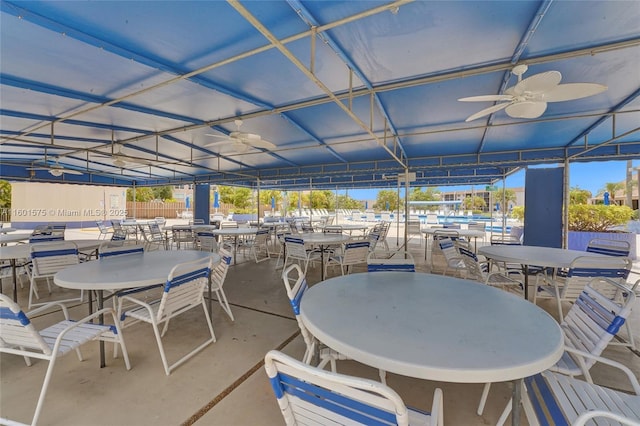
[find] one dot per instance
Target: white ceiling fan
(242, 141)
(121, 160)
(528, 97)
(55, 169)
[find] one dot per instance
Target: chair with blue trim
(510, 279)
(218, 275)
(609, 247)
(46, 261)
(399, 261)
(581, 271)
(296, 250)
(453, 260)
(551, 398)
(183, 291)
(589, 327)
(18, 336)
(309, 395)
(104, 230)
(260, 245)
(206, 241)
(354, 253)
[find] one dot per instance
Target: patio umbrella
(366, 205)
(273, 203)
(187, 203)
(606, 199)
(386, 206)
(216, 200)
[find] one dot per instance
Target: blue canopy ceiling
(350, 93)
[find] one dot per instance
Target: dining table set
(441, 328)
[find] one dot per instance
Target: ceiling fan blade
(240, 147)
(261, 143)
(526, 109)
(225, 142)
(487, 98)
(543, 82)
(570, 91)
(217, 136)
(488, 111)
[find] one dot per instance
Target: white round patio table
(433, 327)
(350, 227)
(547, 257)
(6, 230)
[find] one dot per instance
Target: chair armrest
(591, 414)
(47, 306)
(632, 378)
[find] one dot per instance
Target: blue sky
(590, 176)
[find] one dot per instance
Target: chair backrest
(184, 287)
(47, 259)
(207, 241)
(307, 227)
(295, 284)
(154, 228)
(400, 261)
(295, 248)
(45, 238)
(118, 235)
(595, 318)
(452, 226)
(477, 226)
(109, 249)
(448, 249)
(472, 266)
(305, 392)
(116, 225)
(228, 225)
(517, 232)
(182, 234)
(584, 268)
(355, 252)
(16, 330)
(262, 236)
(333, 229)
(219, 272)
(103, 229)
(160, 220)
(413, 226)
(506, 240)
(609, 247)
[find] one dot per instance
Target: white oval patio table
(433, 327)
(7, 230)
(127, 272)
(14, 237)
(547, 257)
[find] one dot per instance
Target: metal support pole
(565, 205)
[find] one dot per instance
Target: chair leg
(383, 376)
(483, 398)
(224, 303)
(43, 392)
(165, 364)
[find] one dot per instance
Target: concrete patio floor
(225, 384)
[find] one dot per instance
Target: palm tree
(611, 188)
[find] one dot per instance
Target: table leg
(526, 282)
(100, 306)
(15, 280)
(515, 402)
(321, 262)
(426, 245)
(235, 250)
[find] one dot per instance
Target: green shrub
(518, 213)
(597, 218)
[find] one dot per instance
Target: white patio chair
(588, 327)
(218, 275)
(511, 279)
(18, 336)
(295, 284)
(553, 398)
(184, 290)
(399, 261)
(260, 246)
(602, 414)
(182, 237)
(207, 241)
(280, 236)
(453, 260)
(296, 250)
(104, 230)
(354, 253)
(581, 271)
(307, 394)
(46, 260)
(155, 237)
(609, 247)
